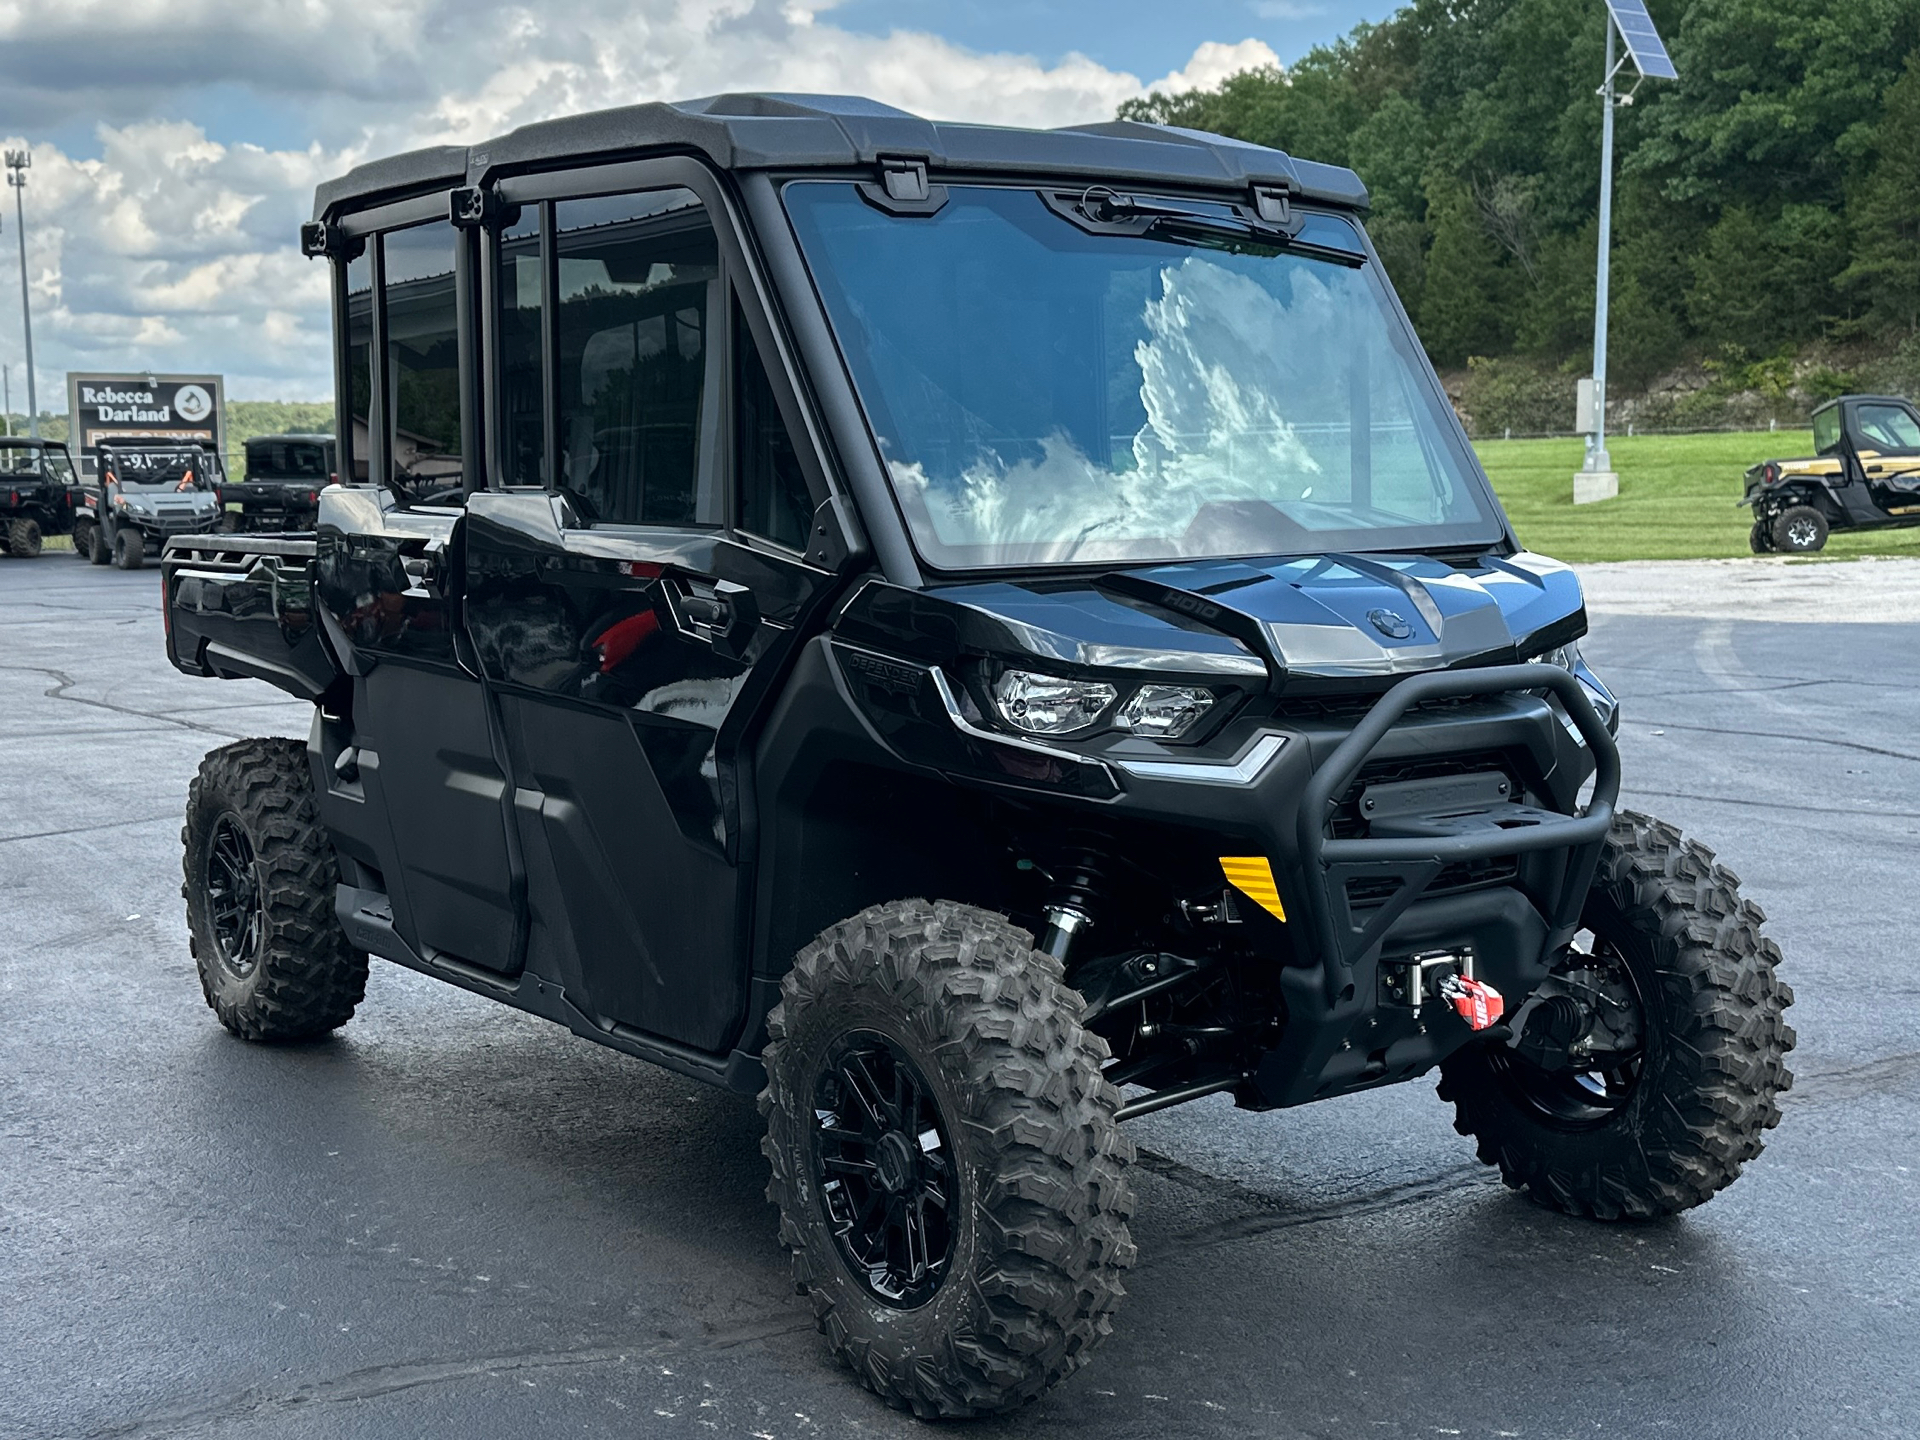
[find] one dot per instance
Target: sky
(176, 143)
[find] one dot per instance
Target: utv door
(633, 614)
(388, 580)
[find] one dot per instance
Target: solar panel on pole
(1643, 41)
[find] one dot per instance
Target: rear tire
(1799, 530)
(23, 538)
(129, 550)
(97, 552)
(1760, 538)
(997, 1105)
(260, 878)
(1712, 1061)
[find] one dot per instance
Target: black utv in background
(143, 493)
(1864, 475)
(281, 488)
(36, 494)
(973, 635)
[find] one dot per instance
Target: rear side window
(359, 384)
(1826, 431)
(636, 284)
(423, 361)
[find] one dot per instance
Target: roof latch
(1274, 204)
(904, 178)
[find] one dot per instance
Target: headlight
(1568, 657)
(1165, 712)
(1048, 704)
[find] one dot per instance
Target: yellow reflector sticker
(1252, 876)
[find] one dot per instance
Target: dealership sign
(176, 408)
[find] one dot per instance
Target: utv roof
(768, 132)
(25, 442)
(304, 435)
(1855, 399)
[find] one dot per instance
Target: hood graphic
(1327, 617)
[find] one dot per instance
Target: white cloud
(175, 250)
(1214, 62)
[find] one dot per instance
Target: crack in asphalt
(1774, 735)
(89, 829)
(1782, 805)
(1269, 1213)
(1851, 1082)
(259, 1407)
(64, 682)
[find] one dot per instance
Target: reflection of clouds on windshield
(1219, 353)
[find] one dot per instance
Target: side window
(773, 499)
(360, 361)
(423, 361)
(637, 277)
(523, 405)
(1889, 427)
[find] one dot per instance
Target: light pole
(1628, 22)
(18, 162)
(1598, 461)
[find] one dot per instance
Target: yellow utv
(1865, 475)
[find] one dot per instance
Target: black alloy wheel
(233, 898)
(1589, 1093)
(884, 1169)
(1648, 1095)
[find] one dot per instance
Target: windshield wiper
(1100, 210)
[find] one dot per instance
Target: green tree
(1460, 310)
(1885, 212)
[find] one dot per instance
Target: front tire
(23, 538)
(1799, 530)
(129, 550)
(925, 1055)
(1760, 538)
(260, 876)
(1665, 1127)
(97, 552)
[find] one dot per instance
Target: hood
(1326, 618)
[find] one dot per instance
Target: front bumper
(1508, 884)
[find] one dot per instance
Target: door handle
(721, 612)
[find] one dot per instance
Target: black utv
(971, 635)
(36, 494)
(281, 487)
(144, 493)
(1865, 475)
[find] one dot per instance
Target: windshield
(1045, 395)
(288, 460)
(159, 469)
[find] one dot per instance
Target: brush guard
(1415, 861)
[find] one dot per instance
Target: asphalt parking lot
(452, 1220)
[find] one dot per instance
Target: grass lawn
(1676, 500)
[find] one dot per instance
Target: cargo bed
(241, 606)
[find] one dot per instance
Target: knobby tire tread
(1052, 1198)
(309, 978)
(1723, 1010)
